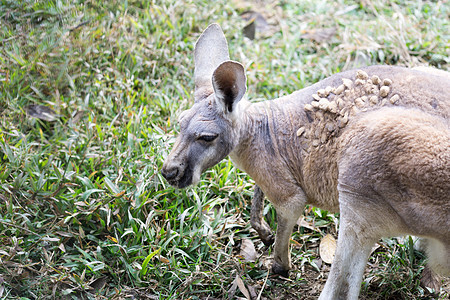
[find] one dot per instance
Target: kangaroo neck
(266, 133)
(270, 149)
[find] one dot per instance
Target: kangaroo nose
(169, 174)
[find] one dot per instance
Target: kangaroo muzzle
(170, 174)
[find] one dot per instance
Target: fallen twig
(79, 25)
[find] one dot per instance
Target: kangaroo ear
(210, 51)
(229, 84)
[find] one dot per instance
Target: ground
(90, 92)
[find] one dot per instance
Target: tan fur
(316, 170)
(372, 144)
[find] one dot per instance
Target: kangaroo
(372, 144)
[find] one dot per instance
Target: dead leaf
(327, 248)
(164, 260)
(256, 23)
(99, 283)
(242, 287)
(248, 250)
(81, 232)
(374, 248)
(77, 116)
(111, 238)
(252, 291)
(50, 239)
(250, 30)
(63, 233)
(303, 223)
(318, 263)
(118, 195)
(319, 35)
(232, 289)
(297, 244)
(41, 112)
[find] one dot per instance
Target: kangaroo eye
(207, 137)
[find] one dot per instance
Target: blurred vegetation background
(89, 95)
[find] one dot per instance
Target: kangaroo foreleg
(287, 216)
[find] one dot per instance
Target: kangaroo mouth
(182, 181)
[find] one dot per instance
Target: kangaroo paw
(257, 219)
(267, 238)
(280, 270)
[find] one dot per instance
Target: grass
(84, 211)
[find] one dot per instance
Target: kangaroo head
(207, 130)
